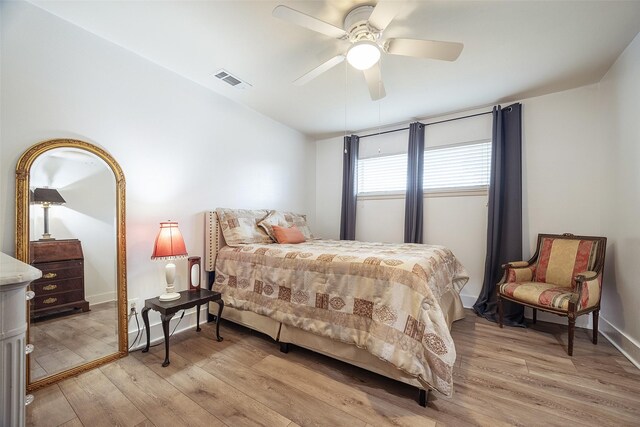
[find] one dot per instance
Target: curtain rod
(427, 124)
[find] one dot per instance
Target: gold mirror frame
(23, 169)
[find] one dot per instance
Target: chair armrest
(516, 264)
(586, 276)
(518, 271)
(587, 289)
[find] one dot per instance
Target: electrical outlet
(133, 304)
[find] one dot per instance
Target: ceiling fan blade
(373, 76)
(325, 66)
(384, 12)
(306, 21)
(445, 51)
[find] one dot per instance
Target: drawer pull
(30, 295)
(49, 287)
(50, 300)
(28, 349)
(50, 275)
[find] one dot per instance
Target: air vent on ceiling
(231, 80)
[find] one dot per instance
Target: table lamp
(169, 246)
(46, 197)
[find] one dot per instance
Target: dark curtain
(504, 229)
(414, 199)
(349, 187)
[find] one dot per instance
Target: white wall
(329, 154)
(620, 203)
(183, 149)
(561, 151)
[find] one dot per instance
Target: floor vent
(231, 80)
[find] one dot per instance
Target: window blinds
(382, 174)
(460, 166)
(452, 167)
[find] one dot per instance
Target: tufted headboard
(214, 240)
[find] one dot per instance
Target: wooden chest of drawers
(61, 287)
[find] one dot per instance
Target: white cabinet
(15, 276)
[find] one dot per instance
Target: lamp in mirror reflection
(46, 197)
(169, 246)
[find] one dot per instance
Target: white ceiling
(513, 50)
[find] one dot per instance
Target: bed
(387, 308)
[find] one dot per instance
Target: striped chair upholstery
(561, 260)
(564, 277)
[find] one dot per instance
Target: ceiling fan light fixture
(363, 55)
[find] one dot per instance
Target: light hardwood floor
(70, 340)
(502, 377)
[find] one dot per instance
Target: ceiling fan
(363, 27)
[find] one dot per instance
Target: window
(447, 168)
(382, 174)
(457, 166)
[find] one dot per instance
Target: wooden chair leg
(500, 311)
(596, 314)
(535, 315)
(572, 328)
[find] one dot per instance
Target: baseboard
(629, 347)
(101, 298)
(468, 300)
(155, 325)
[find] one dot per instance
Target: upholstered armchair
(564, 277)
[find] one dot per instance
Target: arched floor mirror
(70, 223)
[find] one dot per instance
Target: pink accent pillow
(288, 235)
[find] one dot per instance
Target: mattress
(384, 298)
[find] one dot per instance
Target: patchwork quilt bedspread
(378, 296)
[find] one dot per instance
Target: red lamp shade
(169, 243)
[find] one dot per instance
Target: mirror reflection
(72, 223)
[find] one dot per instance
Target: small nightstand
(167, 309)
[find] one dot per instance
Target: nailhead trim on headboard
(212, 243)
